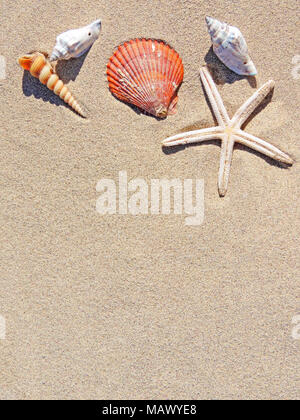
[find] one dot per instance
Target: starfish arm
(262, 146)
(243, 113)
(225, 164)
(214, 97)
(195, 136)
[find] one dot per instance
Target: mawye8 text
(150, 409)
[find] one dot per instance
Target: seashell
(75, 42)
(146, 73)
(230, 47)
(39, 66)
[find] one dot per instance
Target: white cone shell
(230, 47)
(75, 42)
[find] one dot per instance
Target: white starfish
(229, 130)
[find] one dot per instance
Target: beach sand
(146, 307)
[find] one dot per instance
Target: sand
(145, 307)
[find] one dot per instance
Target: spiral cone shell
(230, 47)
(147, 74)
(38, 66)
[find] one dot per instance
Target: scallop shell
(75, 42)
(146, 73)
(38, 66)
(230, 47)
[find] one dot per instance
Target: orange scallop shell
(146, 73)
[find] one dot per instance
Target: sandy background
(145, 307)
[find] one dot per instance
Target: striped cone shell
(39, 66)
(146, 73)
(230, 47)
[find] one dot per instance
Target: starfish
(229, 130)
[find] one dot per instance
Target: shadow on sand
(221, 74)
